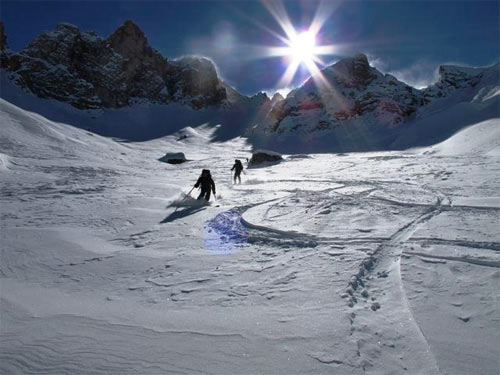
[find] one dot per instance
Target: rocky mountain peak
(361, 67)
(87, 71)
(353, 92)
(129, 40)
(260, 97)
(198, 63)
(277, 97)
(352, 89)
(454, 78)
(459, 76)
(65, 27)
(193, 76)
(354, 70)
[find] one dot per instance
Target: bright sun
(302, 46)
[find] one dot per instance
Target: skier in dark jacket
(237, 168)
(206, 183)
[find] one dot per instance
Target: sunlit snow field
(378, 263)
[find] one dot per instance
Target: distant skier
(206, 183)
(237, 168)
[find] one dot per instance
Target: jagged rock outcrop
(455, 78)
(88, 71)
(260, 98)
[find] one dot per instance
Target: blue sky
(406, 38)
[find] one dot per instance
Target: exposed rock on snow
(173, 158)
(264, 156)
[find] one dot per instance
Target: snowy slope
(479, 139)
(378, 263)
(143, 120)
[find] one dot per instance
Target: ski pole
(183, 199)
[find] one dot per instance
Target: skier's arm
(197, 183)
(233, 167)
(213, 186)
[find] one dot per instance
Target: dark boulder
(260, 157)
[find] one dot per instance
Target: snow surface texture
(373, 263)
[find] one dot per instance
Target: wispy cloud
(420, 74)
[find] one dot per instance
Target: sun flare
(302, 46)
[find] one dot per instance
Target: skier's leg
(201, 194)
(207, 196)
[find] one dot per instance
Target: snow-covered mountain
(355, 107)
(353, 91)
(464, 81)
(88, 71)
(122, 87)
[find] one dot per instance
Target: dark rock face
(129, 41)
(263, 156)
(88, 71)
(354, 72)
(195, 77)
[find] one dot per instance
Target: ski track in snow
(350, 264)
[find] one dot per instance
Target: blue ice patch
(224, 233)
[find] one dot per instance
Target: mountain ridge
(352, 90)
(90, 72)
(158, 96)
